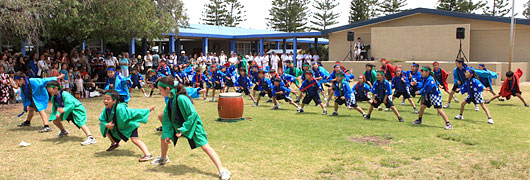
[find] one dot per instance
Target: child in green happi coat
(67, 107)
(118, 122)
(181, 120)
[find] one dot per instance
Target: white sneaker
(160, 161)
(490, 121)
(387, 109)
(402, 103)
(146, 95)
(89, 141)
(476, 108)
(447, 106)
(63, 133)
(459, 117)
(224, 174)
(416, 111)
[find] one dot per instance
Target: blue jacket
(430, 87)
(458, 75)
(264, 84)
(120, 85)
(404, 81)
(163, 71)
(364, 89)
(281, 88)
(384, 87)
(310, 90)
(244, 82)
(416, 77)
(471, 86)
(39, 94)
(198, 78)
(345, 91)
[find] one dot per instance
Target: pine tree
(499, 8)
(288, 15)
(234, 13)
(466, 6)
(325, 16)
(391, 6)
(215, 13)
(361, 10)
(526, 12)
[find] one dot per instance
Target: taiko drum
(230, 106)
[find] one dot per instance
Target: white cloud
(258, 10)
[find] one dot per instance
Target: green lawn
(282, 144)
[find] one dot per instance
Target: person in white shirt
(233, 59)
(316, 58)
(288, 59)
(109, 61)
(222, 58)
(265, 61)
(148, 61)
(201, 59)
(307, 57)
(274, 61)
(299, 60)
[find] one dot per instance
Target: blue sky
(258, 10)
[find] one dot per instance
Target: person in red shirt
(388, 69)
(510, 87)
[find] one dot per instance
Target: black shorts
(282, 96)
(263, 93)
(256, 88)
(136, 85)
(201, 85)
(362, 98)
(229, 83)
(315, 98)
(428, 102)
(413, 90)
(388, 103)
(455, 87)
(406, 95)
(217, 86)
(134, 133)
(243, 90)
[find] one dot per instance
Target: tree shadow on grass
(56, 140)
(178, 170)
(31, 128)
(116, 152)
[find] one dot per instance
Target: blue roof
(222, 32)
(427, 11)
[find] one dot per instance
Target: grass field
(282, 144)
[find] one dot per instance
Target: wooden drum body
(230, 106)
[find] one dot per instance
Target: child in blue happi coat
(311, 87)
(118, 83)
(217, 81)
(264, 85)
(244, 83)
(473, 87)
(430, 96)
(402, 86)
(281, 92)
(34, 97)
(344, 94)
(136, 81)
(381, 94)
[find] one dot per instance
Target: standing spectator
(274, 61)
(140, 64)
(75, 60)
(124, 64)
(109, 61)
(316, 58)
(183, 59)
(156, 59)
(5, 86)
(20, 65)
(43, 67)
(222, 58)
(33, 69)
(148, 61)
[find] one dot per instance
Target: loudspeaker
(460, 33)
(350, 36)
